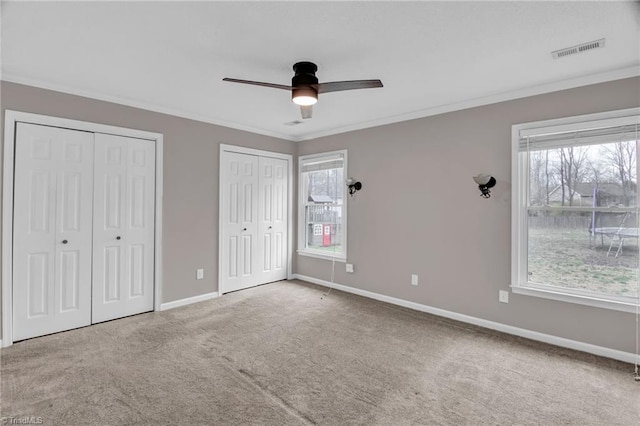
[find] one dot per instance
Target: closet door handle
(244, 229)
(64, 241)
(118, 237)
(270, 227)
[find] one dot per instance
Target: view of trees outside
(588, 250)
(562, 176)
(323, 212)
(327, 182)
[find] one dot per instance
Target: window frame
(303, 250)
(519, 209)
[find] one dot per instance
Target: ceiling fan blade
(258, 83)
(306, 111)
(337, 86)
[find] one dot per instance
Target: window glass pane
(325, 186)
(602, 175)
(565, 250)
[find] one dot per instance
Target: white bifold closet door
(52, 230)
(272, 219)
(240, 220)
(123, 227)
(83, 229)
(254, 220)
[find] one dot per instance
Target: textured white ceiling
(431, 56)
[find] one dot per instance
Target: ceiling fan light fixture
(304, 96)
(305, 100)
(305, 86)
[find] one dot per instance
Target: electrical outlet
(503, 296)
(414, 279)
(350, 268)
(199, 274)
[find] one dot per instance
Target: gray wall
(191, 159)
(420, 212)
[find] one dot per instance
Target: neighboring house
(555, 197)
(607, 195)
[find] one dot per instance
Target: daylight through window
(322, 218)
(576, 223)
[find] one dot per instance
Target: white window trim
(519, 177)
(302, 250)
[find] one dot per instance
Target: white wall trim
(252, 151)
(486, 100)
(188, 301)
(7, 231)
(13, 117)
(176, 112)
(551, 293)
(516, 331)
(314, 254)
(262, 153)
(157, 292)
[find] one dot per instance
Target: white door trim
(258, 152)
(10, 120)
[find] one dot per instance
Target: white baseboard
(188, 301)
(533, 335)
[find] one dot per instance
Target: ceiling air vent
(578, 49)
(293, 123)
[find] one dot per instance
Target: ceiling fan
(305, 87)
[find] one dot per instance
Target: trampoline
(616, 237)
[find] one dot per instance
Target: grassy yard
(567, 258)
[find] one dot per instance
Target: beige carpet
(280, 354)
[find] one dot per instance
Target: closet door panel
(74, 224)
(273, 218)
(110, 171)
(140, 226)
(124, 228)
(52, 230)
(240, 255)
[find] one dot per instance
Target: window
(322, 218)
(575, 209)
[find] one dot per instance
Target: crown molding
(525, 92)
(632, 71)
(18, 79)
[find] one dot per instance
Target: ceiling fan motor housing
(304, 78)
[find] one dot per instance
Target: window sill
(623, 306)
(317, 255)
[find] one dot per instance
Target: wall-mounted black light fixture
(484, 183)
(353, 186)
